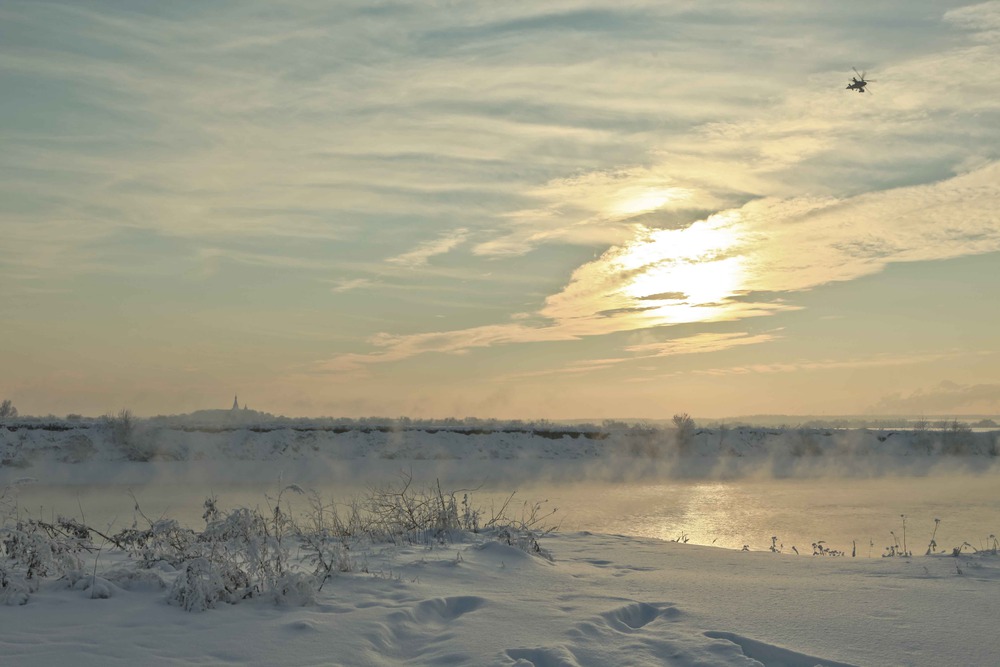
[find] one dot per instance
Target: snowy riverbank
(602, 600)
(224, 436)
(380, 592)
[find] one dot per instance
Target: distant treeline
(791, 421)
(227, 419)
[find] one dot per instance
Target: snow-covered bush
(325, 538)
(685, 426)
(32, 550)
(121, 427)
(199, 586)
(7, 409)
(163, 540)
(248, 552)
(14, 590)
(295, 589)
(403, 513)
(42, 549)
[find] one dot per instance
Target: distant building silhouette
(236, 403)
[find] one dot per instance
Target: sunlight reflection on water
(845, 513)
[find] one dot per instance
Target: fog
(847, 513)
(854, 489)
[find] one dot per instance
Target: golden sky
(567, 210)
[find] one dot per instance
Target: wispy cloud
(700, 343)
(399, 347)
(946, 397)
(703, 343)
(982, 19)
(597, 208)
(875, 361)
(423, 252)
(619, 167)
(767, 246)
(348, 285)
(582, 367)
(236, 119)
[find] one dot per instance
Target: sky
(575, 209)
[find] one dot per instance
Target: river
(860, 515)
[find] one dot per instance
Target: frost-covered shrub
(325, 537)
(956, 438)
(685, 426)
(249, 549)
(132, 579)
(250, 553)
(402, 513)
(120, 426)
(96, 587)
(31, 550)
(7, 409)
(42, 549)
(525, 540)
(122, 429)
(164, 540)
(14, 590)
(240, 554)
(198, 587)
(295, 589)
(246, 552)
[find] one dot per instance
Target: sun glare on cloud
(706, 286)
(661, 277)
(634, 201)
(683, 275)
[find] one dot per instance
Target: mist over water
(846, 512)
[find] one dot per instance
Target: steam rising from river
(727, 487)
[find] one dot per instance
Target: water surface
(863, 515)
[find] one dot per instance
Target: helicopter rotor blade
(860, 75)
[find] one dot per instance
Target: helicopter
(859, 82)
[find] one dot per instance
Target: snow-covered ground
(601, 600)
(235, 435)
(493, 598)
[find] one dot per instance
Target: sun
(684, 275)
(660, 277)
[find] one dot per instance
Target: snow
(467, 598)
(604, 600)
(247, 435)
